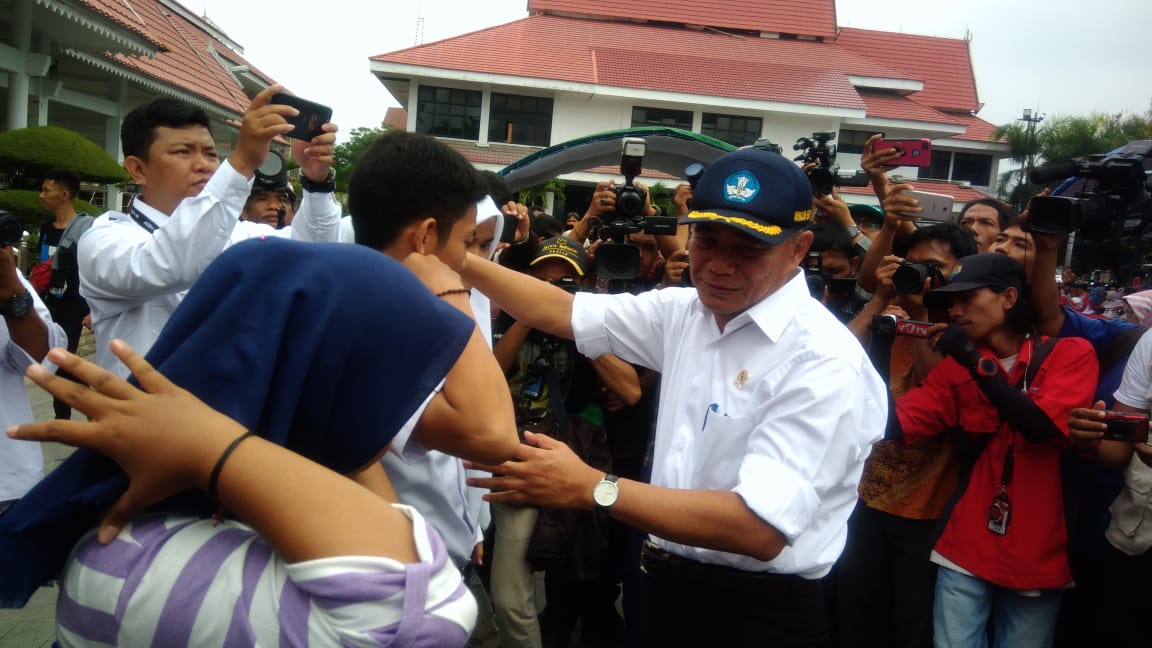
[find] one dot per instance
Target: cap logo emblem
(741, 187)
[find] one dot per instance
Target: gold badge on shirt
(741, 378)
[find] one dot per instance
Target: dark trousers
(1121, 608)
(686, 613)
(69, 314)
(885, 584)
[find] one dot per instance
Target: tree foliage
(1061, 138)
(345, 154)
(26, 153)
(536, 195)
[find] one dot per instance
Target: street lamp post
(1032, 119)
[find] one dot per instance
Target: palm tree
(1023, 148)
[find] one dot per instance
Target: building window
(520, 120)
(851, 141)
(448, 112)
(940, 167)
(661, 117)
(973, 168)
(734, 129)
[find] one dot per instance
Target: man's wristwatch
(853, 230)
(18, 305)
(605, 492)
(328, 185)
(986, 368)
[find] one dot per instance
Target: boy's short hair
(139, 128)
(832, 237)
(64, 179)
(961, 242)
(404, 177)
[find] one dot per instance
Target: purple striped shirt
(169, 581)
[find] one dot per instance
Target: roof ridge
(451, 38)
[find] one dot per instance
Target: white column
(18, 79)
(413, 104)
(485, 115)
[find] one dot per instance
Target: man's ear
(428, 236)
(801, 243)
(1010, 295)
(854, 263)
(137, 169)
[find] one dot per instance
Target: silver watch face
(605, 493)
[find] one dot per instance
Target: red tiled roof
(960, 194)
(807, 18)
(894, 106)
(978, 130)
(185, 60)
(641, 56)
(943, 64)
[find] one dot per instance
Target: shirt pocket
(722, 447)
(976, 417)
(1131, 507)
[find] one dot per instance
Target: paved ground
(35, 625)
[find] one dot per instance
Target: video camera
(826, 173)
(890, 325)
(11, 230)
(1114, 202)
(617, 259)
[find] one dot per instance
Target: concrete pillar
(118, 92)
(18, 79)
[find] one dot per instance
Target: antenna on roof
(419, 24)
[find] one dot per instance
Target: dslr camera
(1114, 201)
(818, 280)
(908, 279)
(11, 230)
(617, 259)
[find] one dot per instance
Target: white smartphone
(937, 207)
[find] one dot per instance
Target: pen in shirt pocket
(714, 407)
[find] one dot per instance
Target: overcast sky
(1055, 56)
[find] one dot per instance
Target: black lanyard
(143, 221)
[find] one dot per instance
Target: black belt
(664, 568)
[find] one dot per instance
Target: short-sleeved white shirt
(782, 408)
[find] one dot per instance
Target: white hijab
(481, 306)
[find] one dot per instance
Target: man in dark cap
(272, 199)
(769, 408)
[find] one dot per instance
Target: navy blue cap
(758, 192)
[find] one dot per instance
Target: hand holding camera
(954, 342)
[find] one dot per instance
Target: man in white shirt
(136, 267)
(26, 333)
(768, 411)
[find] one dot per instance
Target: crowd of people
(796, 423)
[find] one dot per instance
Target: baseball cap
(562, 247)
(758, 192)
(987, 270)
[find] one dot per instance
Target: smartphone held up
(312, 116)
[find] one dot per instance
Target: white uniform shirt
(134, 280)
(21, 462)
(1130, 530)
(781, 408)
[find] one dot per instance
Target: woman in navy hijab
(286, 369)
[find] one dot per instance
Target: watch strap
(18, 305)
(328, 185)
